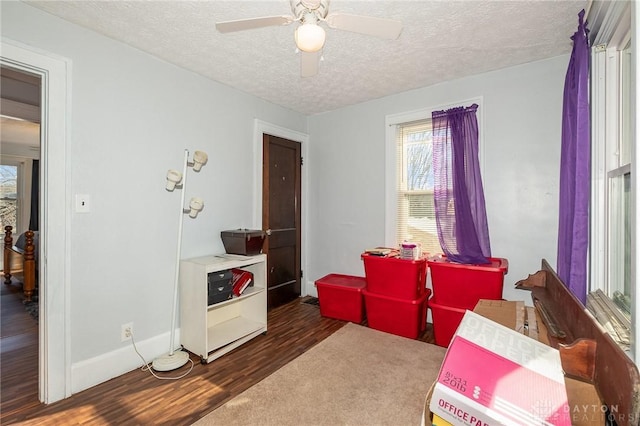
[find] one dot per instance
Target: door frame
(54, 346)
(261, 127)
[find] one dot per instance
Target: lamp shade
(173, 178)
(310, 37)
(199, 159)
(195, 205)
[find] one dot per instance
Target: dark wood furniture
(588, 353)
(28, 261)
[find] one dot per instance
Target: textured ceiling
(440, 41)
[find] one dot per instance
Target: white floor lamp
(176, 359)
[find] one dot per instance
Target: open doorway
(20, 147)
(19, 150)
(53, 343)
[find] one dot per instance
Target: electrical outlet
(126, 331)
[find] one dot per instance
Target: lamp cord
(147, 365)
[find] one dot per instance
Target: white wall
(522, 111)
(132, 117)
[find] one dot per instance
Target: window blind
(415, 218)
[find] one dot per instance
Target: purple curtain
(458, 195)
(575, 170)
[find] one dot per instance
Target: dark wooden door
(281, 183)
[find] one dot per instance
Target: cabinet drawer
(219, 286)
(219, 296)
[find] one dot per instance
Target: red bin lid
(496, 263)
(340, 280)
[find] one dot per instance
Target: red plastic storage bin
(340, 297)
(446, 320)
(462, 285)
(394, 277)
(407, 318)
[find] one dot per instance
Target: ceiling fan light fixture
(310, 37)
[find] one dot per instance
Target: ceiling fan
(309, 35)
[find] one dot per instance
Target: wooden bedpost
(8, 242)
(29, 268)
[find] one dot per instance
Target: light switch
(83, 203)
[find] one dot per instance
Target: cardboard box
(512, 314)
(494, 375)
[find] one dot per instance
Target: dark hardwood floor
(137, 398)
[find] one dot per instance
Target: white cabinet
(213, 330)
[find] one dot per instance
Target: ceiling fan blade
(309, 63)
(368, 25)
(252, 23)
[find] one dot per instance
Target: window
(10, 200)
(8, 195)
(612, 218)
(15, 197)
(619, 288)
(409, 177)
(618, 197)
(415, 216)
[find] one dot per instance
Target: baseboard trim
(310, 286)
(91, 372)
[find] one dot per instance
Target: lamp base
(168, 362)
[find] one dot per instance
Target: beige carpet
(357, 376)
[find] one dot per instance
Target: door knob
(268, 232)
